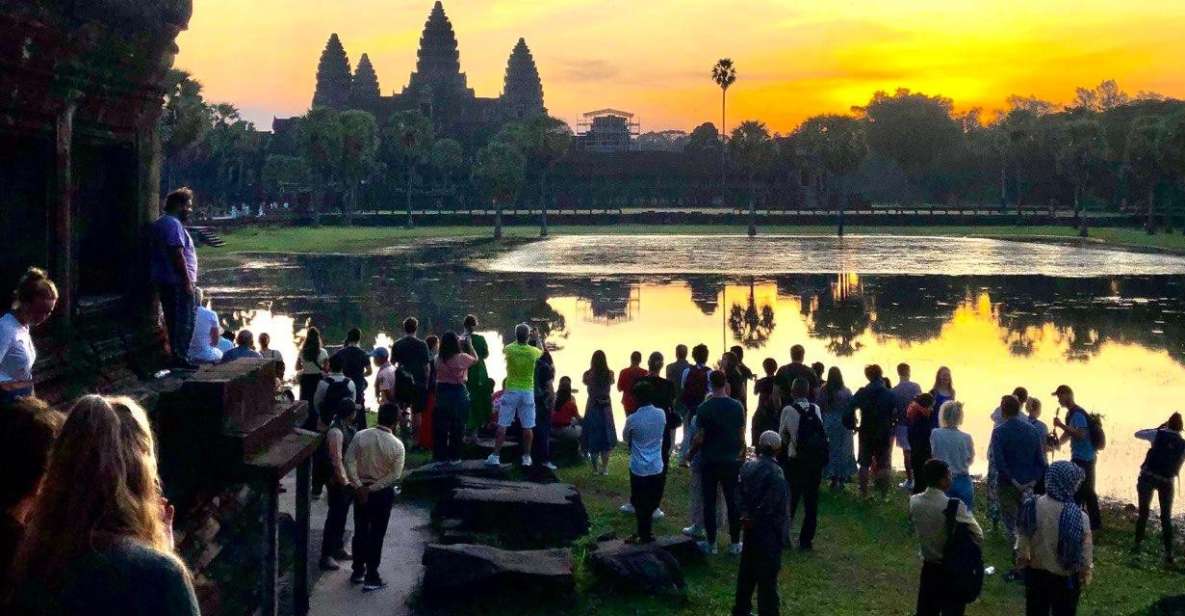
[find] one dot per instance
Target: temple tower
(522, 91)
(333, 76)
(438, 67)
(364, 91)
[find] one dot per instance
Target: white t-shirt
(17, 353)
(385, 380)
(200, 350)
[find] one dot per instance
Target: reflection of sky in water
(771, 254)
(1118, 340)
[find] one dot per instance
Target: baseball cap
(380, 353)
(1062, 389)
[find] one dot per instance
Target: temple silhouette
(438, 88)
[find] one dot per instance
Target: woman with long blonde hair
(99, 539)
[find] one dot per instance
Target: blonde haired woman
(955, 447)
(99, 539)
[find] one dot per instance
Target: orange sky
(653, 57)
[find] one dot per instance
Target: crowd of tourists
(66, 550)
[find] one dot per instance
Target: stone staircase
(207, 236)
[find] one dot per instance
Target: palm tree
(724, 74)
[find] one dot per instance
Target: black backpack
(1094, 428)
(962, 559)
(334, 394)
(405, 386)
(810, 444)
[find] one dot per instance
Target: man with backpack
(949, 538)
(693, 389)
(877, 408)
(333, 387)
(801, 430)
(1085, 434)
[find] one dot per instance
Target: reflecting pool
(1106, 322)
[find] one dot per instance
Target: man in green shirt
(518, 396)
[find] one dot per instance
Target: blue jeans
(448, 421)
(179, 310)
(960, 488)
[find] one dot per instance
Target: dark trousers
(340, 498)
(645, 495)
(179, 310)
(541, 446)
(448, 421)
(1048, 594)
(370, 528)
(759, 570)
(724, 475)
(1164, 490)
(931, 598)
(803, 481)
(308, 388)
(1086, 495)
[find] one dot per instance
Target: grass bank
(334, 239)
(865, 561)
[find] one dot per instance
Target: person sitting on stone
(203, 347)
(244, 348)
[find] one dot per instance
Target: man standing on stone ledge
(174, 271)
(374, 462)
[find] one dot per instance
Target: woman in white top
(311, 363)
(955, 447)
(33, 301)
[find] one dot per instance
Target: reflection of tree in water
(913, 308)
(839, 315)
(751, 326)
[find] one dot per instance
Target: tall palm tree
(724, 74)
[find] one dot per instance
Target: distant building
(607, 130)
(437, 87)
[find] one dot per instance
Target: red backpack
(695, 388)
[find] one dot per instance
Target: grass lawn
(335, 239)
(865, 561)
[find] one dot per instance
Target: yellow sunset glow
(795, 59)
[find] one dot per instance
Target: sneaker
(526, 460)
(694, 532)
(551, 467)
(735, 549)
(342, 554)
(357, 577)
(328, 564)
(494, 460)
(373, 584)
(657, 515)
(706, 547)
(626, 508)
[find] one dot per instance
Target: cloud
(585, 69)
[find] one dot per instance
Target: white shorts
(519, 404)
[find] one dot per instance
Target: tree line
(1105, 151)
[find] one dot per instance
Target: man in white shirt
(643, 433)
(203, 346)
(374, 462)
(804, 460)
(384, 380)
(927, 513)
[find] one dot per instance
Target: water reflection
(1118, 340)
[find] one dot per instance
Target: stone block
(465, 572)
(520, 513)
